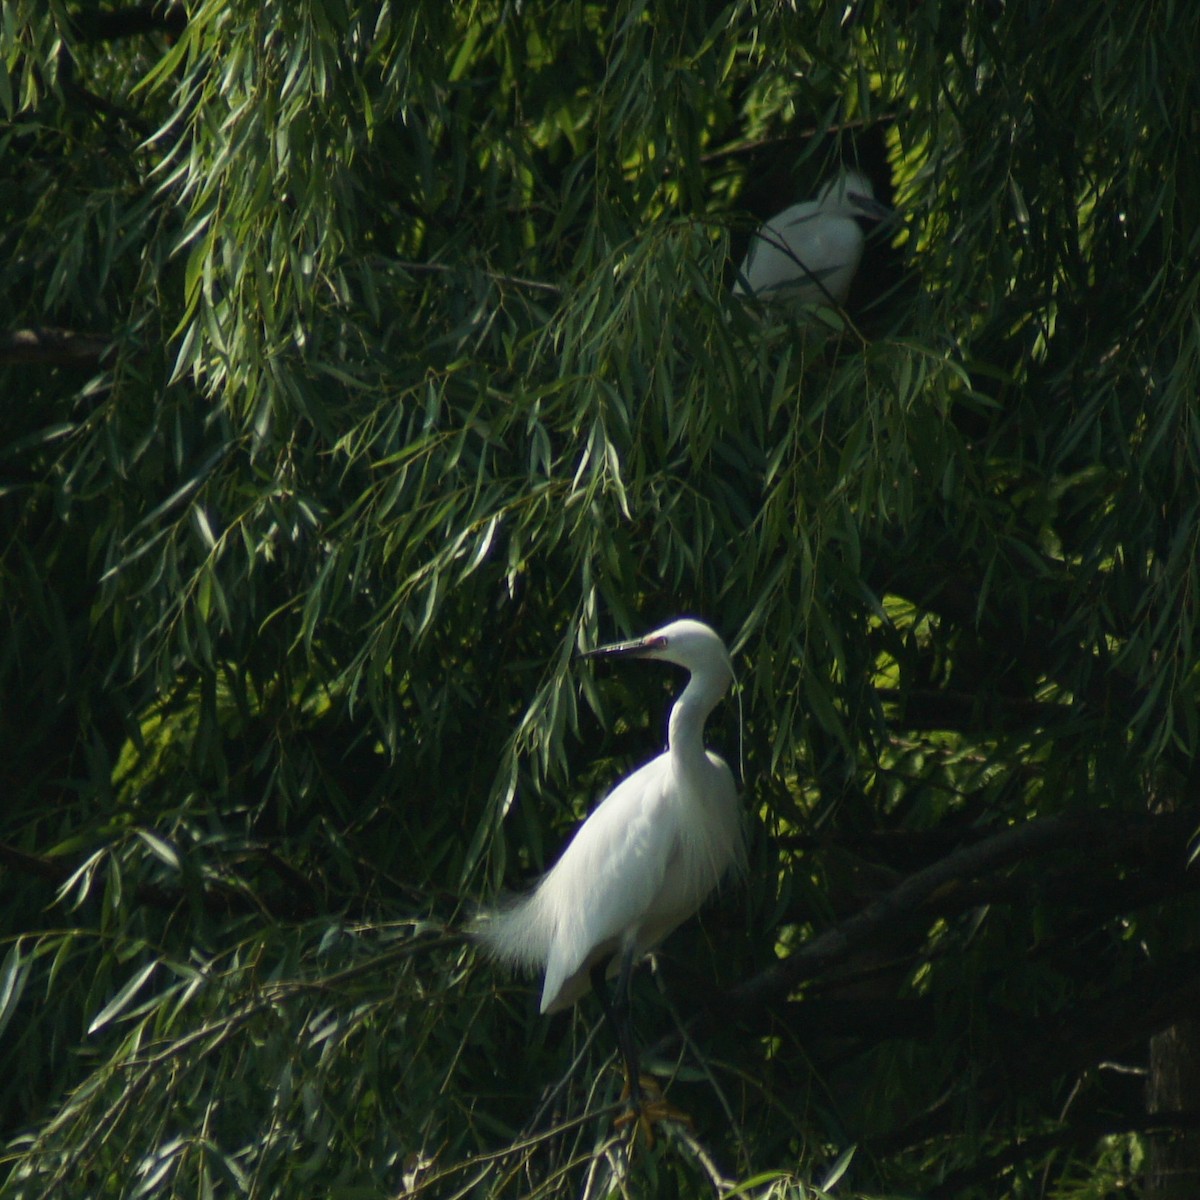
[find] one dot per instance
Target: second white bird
(809, 253)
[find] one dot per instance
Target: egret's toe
(649, 1109)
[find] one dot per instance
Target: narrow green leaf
(122, 999)
(838, 1169)
(161, 849)
(13, 977)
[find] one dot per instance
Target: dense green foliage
(404, 364)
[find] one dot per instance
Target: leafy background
(366, 359)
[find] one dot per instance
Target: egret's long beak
(869, 207)
(635, 649)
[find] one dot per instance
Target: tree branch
(216, 896)
(938, 890)
(948, 591)
(41, 346)
(48, 869)
(837, 944)
(1078, 1135)
(1066, 1045)
(926, 709)
(104, 25)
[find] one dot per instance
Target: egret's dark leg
(647, 1105)
(617, 1011)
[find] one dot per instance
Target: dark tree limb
(106, 25)
(837, 944)
(101, 104)
(950, 592)
(1066, 1045)
(216, 895)
(1153, 848)
(971, 872)
(926, 709)
(41, 346)
(49, 869)
(1077, 1136)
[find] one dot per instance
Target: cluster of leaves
(418, 370)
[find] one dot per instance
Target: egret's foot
(649, 1109)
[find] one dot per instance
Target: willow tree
(362, 360)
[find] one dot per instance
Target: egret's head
(687, 643)
(852, 195)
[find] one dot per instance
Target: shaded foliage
(410, 367)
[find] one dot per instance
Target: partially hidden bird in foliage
(808, 253)
(643, 862)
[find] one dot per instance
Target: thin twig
(433, 268)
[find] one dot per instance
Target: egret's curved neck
(685, 729)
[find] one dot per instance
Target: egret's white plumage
(649, 854)
(809, 253)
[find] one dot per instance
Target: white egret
(646, 858)
(808, 253)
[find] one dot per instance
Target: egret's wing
(771, 259)
(604, 886)
(799, 253)
(833, 254)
